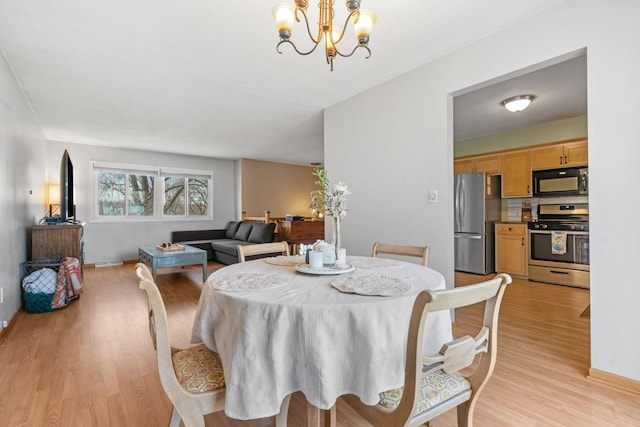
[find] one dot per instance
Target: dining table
(281, 327)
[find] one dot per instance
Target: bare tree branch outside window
(132, 194)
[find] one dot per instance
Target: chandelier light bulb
(517, 103)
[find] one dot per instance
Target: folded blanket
(75, 273)
(40, 281)
(68, 284)
(558, 242)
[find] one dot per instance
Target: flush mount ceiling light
(517, 103)
(362, 20)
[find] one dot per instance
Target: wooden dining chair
(404, 250)
(434, 383)
(192, 378)
(245, 251)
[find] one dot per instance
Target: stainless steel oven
(559, 245)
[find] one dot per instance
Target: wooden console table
(59, 239)
(300, 232)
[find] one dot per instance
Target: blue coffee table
(156, 258)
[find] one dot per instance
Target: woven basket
(37, 302)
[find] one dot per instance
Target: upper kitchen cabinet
(516, 174)
(560, 155)
(488, 164)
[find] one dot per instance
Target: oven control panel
(559, 225)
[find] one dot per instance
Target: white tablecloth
(307, 336)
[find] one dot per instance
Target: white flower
(341, 188)
(335, 198)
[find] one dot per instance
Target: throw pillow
(244, 229)
(262, 233)
(232, 228)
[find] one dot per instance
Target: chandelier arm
(346, 22)
(315, 40)
(294, 47)
(354, 50)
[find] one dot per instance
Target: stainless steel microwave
(561, 182)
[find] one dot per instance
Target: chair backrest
(257, 219)
(245, 251)
(404, 250)
(159, 330)
(459, 353)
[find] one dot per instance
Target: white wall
(393, 144)
(120, 241)
(21, 185)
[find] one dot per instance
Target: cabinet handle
(523, 241)
(560, 159)
(565, 159)
(528, 189)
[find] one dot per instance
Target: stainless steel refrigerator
(477, 208)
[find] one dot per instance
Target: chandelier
(362, 20)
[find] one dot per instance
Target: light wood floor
(92, 363)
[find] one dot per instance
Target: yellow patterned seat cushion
(198, 369)
(437, 387)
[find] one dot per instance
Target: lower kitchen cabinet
(511, 249)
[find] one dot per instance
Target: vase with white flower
(335, 204)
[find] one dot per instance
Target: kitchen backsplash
(512, 208)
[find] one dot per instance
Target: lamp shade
(364, 23)
(54, 194)
(517, 103)
(283, 14)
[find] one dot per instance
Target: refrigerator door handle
(456, 202)
(462, 201)
(463, 236)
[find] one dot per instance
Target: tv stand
(64, 239)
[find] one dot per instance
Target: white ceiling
(560, 91)
(203, 77)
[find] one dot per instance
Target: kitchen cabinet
(511, 249)
(516, 174)
(487, 164)
(463, 166)
(560, 155)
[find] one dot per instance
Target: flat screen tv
(67, 208)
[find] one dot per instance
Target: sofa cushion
(262, 233)
(228, 246)
(244, 229)
(232, 228)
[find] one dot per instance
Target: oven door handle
(569, 232)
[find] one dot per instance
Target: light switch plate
(433, 196)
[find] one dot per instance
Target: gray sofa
(221, 245)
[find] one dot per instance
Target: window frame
(159, 173)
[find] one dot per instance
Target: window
(137, 192)
(185, 194)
